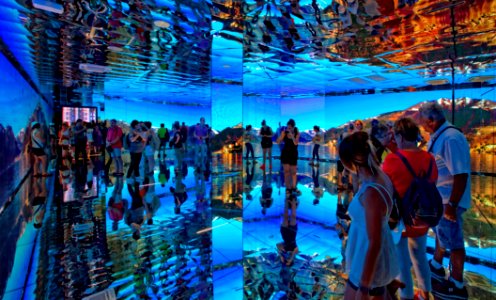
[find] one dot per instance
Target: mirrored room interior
(162, 126)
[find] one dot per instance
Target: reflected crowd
(391, 195)
(326, 214)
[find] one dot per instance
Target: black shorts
(289, 158)
(266, 144)
(288, 234)
(38, 151)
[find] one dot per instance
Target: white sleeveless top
(358, 242)
(36, 142)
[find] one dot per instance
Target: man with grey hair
(452, 153)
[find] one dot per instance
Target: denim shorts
(116, 152)
(450, 234)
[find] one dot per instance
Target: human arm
(375, 210)
(78, 131)
(281, 137)
(459, 186)
(455, 153)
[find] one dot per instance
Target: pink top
(112, 134)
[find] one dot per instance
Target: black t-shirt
(178, 144)
(266, 131)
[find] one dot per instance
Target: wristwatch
(453, 204)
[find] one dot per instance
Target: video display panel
(72, 114)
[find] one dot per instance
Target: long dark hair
(357, 150)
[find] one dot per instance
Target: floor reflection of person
(250, 172)
(317, 190)
(80, 140)
(151, 199)
(164, 173)
(266, 199)
(65, 175)
(80, 176)
(178, 191)
(289, 155)
(116, 205)
(201, 203)
(38, 149)
(135, 214)
(280, 179)
(370, 253)
(64, 141)
(39, 201)
(265, 288)
(288, 248)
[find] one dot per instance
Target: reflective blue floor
(221, 243)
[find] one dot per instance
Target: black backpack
(422, 204)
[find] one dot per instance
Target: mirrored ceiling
(161, 51)
(303, 48)
(155, 51)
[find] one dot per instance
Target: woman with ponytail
(370, 252)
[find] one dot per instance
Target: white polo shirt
(452, 154)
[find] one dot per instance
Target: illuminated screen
(71, 114)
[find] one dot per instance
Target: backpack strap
(442, 131)
(383, 192)
(409, 167)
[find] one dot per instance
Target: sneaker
(448, 290)
(437, 275)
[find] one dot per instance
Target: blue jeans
(412, 252)
(249, 148)
(201, 155)
(315, 153)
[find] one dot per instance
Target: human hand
(449, 213)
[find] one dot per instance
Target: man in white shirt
(452, 153)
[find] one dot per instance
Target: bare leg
(269, 150)
(293, 176)
(457, 260)
(44, 160)
(439, 252)
(287, 177)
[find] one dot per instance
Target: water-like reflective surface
(226, 238)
